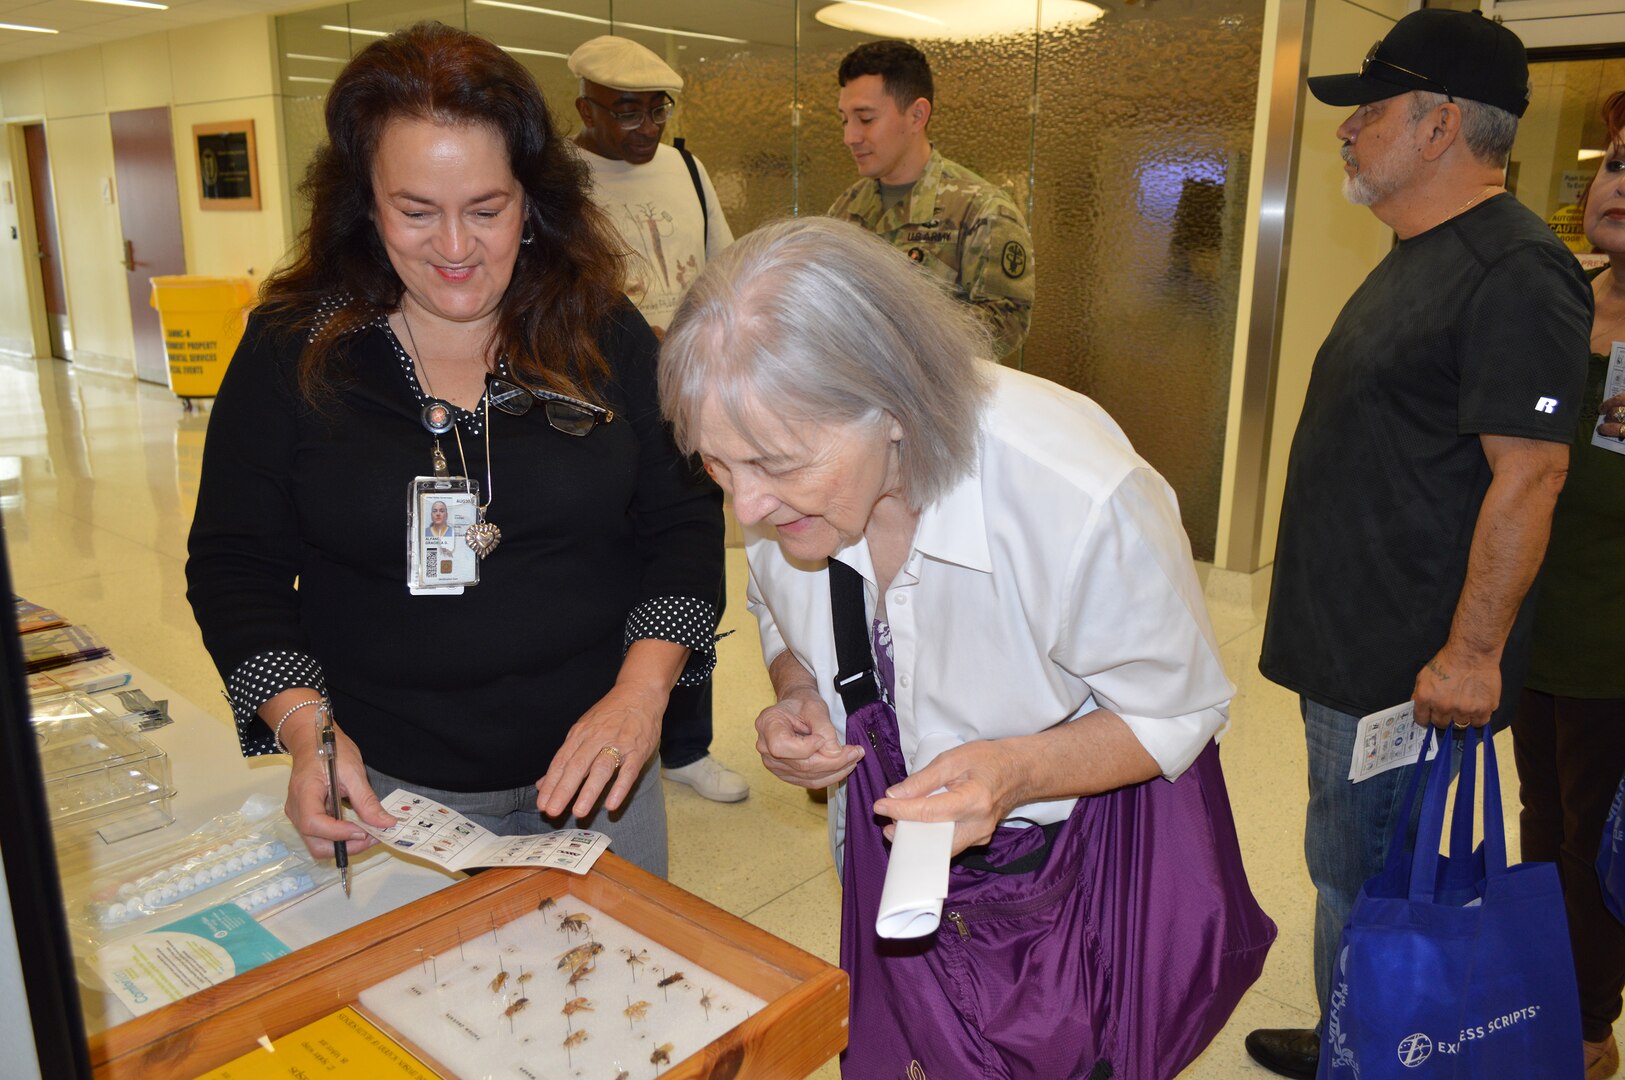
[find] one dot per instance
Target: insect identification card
(1613, 383)
(425, 829)
(1386, 740)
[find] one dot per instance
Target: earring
(528, 240)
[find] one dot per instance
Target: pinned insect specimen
(500, 981)
(524, 977)
(573, 1040)
(575, 1005)
(517, 1007)
(635, 1010)
(547, 902)
(622, 1075)
(579, 955)
(635, 960)
(569, 924)
(662, 1055)
(668, 981)
(585, 968)
(705, 1002)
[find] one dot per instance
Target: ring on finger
(612, 752)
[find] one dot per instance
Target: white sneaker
(710, 778)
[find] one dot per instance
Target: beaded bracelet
(276, 732)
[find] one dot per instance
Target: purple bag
(1112, 944)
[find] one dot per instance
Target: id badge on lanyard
(440, 511)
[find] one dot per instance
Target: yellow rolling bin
(202, 319)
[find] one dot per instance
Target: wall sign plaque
(228, 172)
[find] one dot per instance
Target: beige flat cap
(622, 64)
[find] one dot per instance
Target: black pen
(329, 750)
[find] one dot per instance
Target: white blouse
(1054, 580)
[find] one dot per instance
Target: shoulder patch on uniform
(1014, 259)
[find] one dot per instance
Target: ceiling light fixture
(29, 29)
(313, 56)
(609, 22)
(955, 19)
(1590, 155)
(902, 13)
(533, 52)
(306, 78)
(131, 3)
(355, 30)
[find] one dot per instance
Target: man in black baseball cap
(1458, 54)
(1428, 456)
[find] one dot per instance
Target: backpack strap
(699, 189)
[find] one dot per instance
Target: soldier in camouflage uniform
(953, 223)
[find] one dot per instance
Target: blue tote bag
(1611, 857)
(1454, 967)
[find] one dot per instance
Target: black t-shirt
(1479, 326)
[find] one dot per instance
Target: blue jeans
(1347, 828)
(637, 831)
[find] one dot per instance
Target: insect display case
(523, 972)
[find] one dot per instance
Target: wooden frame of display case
(803, 1025)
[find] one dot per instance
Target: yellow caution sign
(1567, 222)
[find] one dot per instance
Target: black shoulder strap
(855, 678)
(699, 189)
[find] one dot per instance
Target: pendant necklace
(482, 537)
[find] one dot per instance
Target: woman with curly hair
(451, 329)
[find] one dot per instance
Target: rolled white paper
(917, 874)
(916, 879)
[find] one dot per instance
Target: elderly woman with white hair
(977, 605)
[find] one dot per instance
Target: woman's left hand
(980, 779)
(1606, 412)
(627, 720)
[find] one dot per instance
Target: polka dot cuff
(259, 679)
(683, 620)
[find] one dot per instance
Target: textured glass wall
(1143, 135)
(1125, 141)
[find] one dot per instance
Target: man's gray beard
(1358, 192)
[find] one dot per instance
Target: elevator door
(50, 263)
(150, 215)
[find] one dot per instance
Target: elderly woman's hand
(307, 794)
(800, 745)
(1612, 415)
(606, 748)
(980, 781)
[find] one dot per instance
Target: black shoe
(1291, 1052)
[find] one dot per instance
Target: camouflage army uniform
(962, 229)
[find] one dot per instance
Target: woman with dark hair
(452, 330)
(1569, 733)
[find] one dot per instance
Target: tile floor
(98, 476)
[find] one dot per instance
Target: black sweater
(472, 692)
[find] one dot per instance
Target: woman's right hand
(799, 744)
(307, 791)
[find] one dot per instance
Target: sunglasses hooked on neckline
(567, 415)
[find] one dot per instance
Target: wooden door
(150, 214)
(50, 262)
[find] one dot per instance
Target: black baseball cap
(1455, 53)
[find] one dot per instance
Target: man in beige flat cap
(662, 202)
(659, 196)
